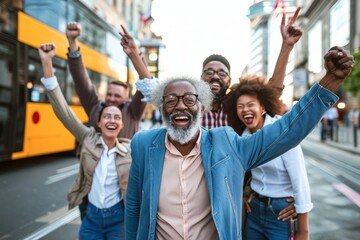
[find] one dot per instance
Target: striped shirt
(215, 119)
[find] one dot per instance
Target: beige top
(184, 210)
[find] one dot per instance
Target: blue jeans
(106, 223)
(262, 222)
(82, 210)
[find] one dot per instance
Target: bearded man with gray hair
(185, 182)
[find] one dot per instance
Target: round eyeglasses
(172, 100)
(211, 72)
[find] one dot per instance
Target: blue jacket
(226, 156)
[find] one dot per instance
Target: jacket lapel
(205, 155)
(156, 157)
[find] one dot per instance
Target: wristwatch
(74, 54)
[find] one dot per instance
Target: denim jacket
(226, 157)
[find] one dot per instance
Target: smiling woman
(104, 161)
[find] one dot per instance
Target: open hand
(289, 211)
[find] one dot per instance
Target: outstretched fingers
(294, 18)
(124, 30)
(283, 19)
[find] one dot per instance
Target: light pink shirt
(184, 210)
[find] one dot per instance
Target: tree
(352, 83)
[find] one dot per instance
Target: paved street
(335, 194)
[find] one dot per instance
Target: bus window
(100, 82)
(35, 88)
(8, 18)
(54, 15)
(70, 93)
(96, 80)
(6, 84)
(93, 33)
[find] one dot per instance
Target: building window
(340, 23)
(315, 52)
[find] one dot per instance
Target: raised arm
(146, 82)
(133, 52)
(290, 35)
(46, 53)
(73, 31)
(57, 100)
(295, 125)
(83, 85)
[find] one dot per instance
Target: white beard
(182, 135)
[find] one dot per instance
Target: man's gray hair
(202, 88)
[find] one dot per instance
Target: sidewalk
(344, 139)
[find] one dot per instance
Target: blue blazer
(226, 157)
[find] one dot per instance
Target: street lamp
(152, 55)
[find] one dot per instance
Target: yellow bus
(28, 126)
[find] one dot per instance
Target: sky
(194, 29)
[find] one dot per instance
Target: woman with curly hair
(253, 104)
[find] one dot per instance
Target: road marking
(52, 216)
(63, 173)
(348, 192)
(322, 167)
(72, 215)
(341, 187)
(340, 169)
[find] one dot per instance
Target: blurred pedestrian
(355, 118)
(185, 181)
(330, 118)
(117, 92)
(104, 161)
(324, 128)
(156, 118)
(251, 106)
